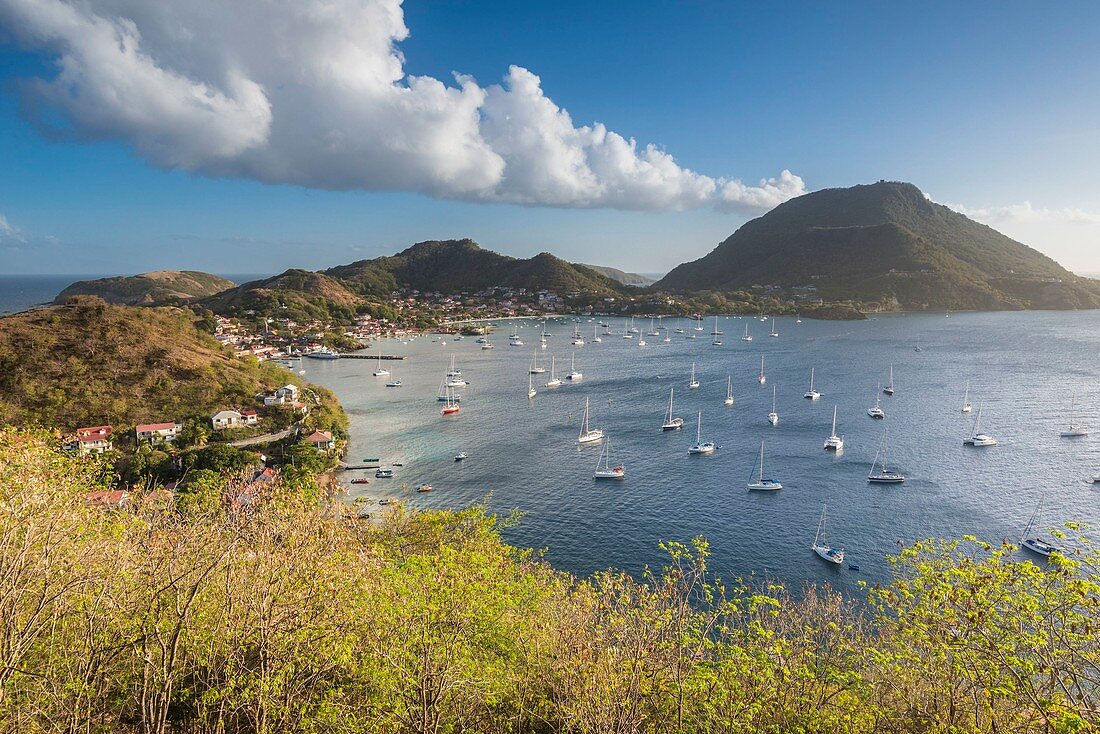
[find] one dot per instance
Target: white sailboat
(596, 335)
(966, 399)
(773, 417)
(453, 371)
(381, 371)
(577, 340)
(729, 391)
(876, 411)
(587, 433)
(446, 391)
(514, 340)
(811, 394)
(762, 483)
(774, 333)
(798, 318)
(535, 369)
(1031, 539)
(889, 389)
(693, 384)
(671, 423)
(883, 475)
(700, 446)
(977, 438)
(762, 378)
(554, 381)
(716, 335)
(821, 546)
(698, 324)
(652, 329)
(451, 405)
(633, 329)
(834, 442)
(604, 470)
(1073, 429)
(747, 337)
(573, 375)
(531, 392)
(667, 339)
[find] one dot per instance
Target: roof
(95, 438)
(108, 497)
(319, 437)
(249, 411)
(93, 429)
(229, 411)
(150, 427)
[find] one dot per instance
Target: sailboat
(451, 406)
(821, 547)
(773, 417)
(700, 446)
(553, 381)
(453, 371)
(889, 389)
(884, 475)
(716, 335)
(446, 391)
(486, 344)
(798, 318)
(667, 339)
(381, 371)
(578, 340)
(671, 424)
(1030, 539)
(652, 330)
(531, 392)
(774, 332)
(604, 470)
(834, 442)
(535, 369)
(1073, 430)
(514, 340)
(633, 329)
(573, 375)
(876, 411)
(693, 384)
(966, 399)
(596, 335)
(587, 433)
(747, 337)
(811, 394)
(698, 324)
(729, 391)
(977, 438)
(762, 484)
(762, 378)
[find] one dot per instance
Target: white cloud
(8, 233)
(314, 93)
(1026, 213)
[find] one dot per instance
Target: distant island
(149, 289)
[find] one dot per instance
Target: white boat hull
(609, 474)
(590, 437)
(832, 555)
(765, 485)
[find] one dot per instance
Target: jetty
(397, 357)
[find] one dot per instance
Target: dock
(397, 357)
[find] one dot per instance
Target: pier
(397, 357)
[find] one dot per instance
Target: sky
(259, 135)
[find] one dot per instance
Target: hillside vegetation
(885, 242)
(280, 616)
(148, 289)
(89, 363)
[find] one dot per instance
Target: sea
(1023, 371)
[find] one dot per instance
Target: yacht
(642, 342)
(876, 411)
(798, 318)
(531, 392)
(700, 446)
(729, 391)
(761, 483)
(773, 417)
(604, 470)
(821, 547)
(453, 372)
(1073, 429)
(381, 371)
(698, 324)
(451, 406)
(487, 344)
(535, 369)
(883, 475)
(774, 333)
(671, 423)
(667, 339)
(716, 335)
(811, 394)
(446, 391)
(747, 336)
(693, 384)
(553, 381)
(762, 378)
(393, 383)
(384, 474)
(1031, 539)
(573, 375)
(596, 336)
(587, 433)
(834, 442)
(323, 353)
(577, 340)
(652, 330)
(966, 399)
(514, 340)
(633, 329)
(889, 389)
(977, 438)
(461, 456)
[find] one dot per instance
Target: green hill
(451, 266)
(298, 294)
(88, 363)
(884, 242)
(147, 289)
(622, 277)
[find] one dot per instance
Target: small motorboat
(384, 474)
(397, 463)
(461, 456)
(424, 488)
(360, 481)
(386, 501)
(393, 383)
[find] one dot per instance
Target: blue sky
(990, 107)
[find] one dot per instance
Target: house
(111, 498)
(226, 419)
(321, 440)
(285, 394)
(156, 433)
(250, 417)
(92, 440)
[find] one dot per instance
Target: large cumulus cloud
(314, 93)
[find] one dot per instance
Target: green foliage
(276, 613)
(162, 286)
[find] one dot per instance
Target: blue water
(524, 455)
(20, 292)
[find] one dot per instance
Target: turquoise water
(524, 455)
